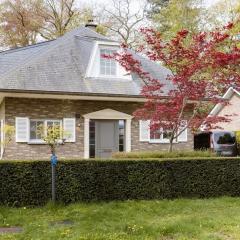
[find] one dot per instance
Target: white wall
(233, 108)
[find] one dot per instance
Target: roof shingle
(60, 66)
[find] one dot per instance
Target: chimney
(91, 24)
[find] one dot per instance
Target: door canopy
(108, 114)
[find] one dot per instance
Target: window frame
(106, 48)
(45, 121)
(161, 139)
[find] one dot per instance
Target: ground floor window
(92, 139)
(38, 128)
(121, 127)
(160, 135)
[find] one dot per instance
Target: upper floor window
(107, 66)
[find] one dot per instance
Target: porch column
(86, 138)
(128, 135)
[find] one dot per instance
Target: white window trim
(161, 140)
(41, 141)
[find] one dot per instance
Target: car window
(224, 138)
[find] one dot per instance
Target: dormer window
(108, 66)
(102, 67)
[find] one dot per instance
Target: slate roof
(59, 66)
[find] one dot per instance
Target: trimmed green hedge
(163, 154)
(29, 183)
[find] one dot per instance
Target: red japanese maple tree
(203, 67)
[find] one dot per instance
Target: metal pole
(53, 163)
(53, 183)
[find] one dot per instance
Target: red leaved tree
(203, 67)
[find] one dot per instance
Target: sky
(210, 2)
(206, 2)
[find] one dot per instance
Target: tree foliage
(156, 6)
(52, 135)
(25, 22)
(58, 16)
(174, 15)
(225, 11)
(203, 66)
(7, 136)
(20, 22)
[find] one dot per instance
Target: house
(231, 110)
(68, 82)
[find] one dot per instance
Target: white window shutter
(22, 129)
(2, 137)
(69, 128)
(183, 137)
(144, 131)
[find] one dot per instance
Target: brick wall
(58, 109)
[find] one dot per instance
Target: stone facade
(59, 109)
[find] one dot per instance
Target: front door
(107, 138)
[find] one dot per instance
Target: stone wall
(59, 109)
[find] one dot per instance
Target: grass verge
(207, 219)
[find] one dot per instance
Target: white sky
(207, 2)
(210, 2)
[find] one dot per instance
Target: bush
(237, 133)
(164, 154)
(29, 183)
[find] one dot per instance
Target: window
(92, 140)
(38, 128)
(54, 125)
(160, 136)
(121, 128)
(107, 66)
(224, 137)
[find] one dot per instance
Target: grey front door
(107, 138)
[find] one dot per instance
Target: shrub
(29, 183)
(163, 154)
(237, 133)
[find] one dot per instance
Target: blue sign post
(53, 164)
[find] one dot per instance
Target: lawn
(212, 219)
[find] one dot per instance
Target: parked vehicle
(222, 142)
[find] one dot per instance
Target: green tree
(174, 15)
(225, 11)
(156, 5)
(53, 136)
(8, 133)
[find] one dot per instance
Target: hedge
(29, 182)
(164, 154)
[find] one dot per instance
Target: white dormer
(101, 67)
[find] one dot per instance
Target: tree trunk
(170, 149)
(53, 150)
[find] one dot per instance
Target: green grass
(163, 154)
(213, 219)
